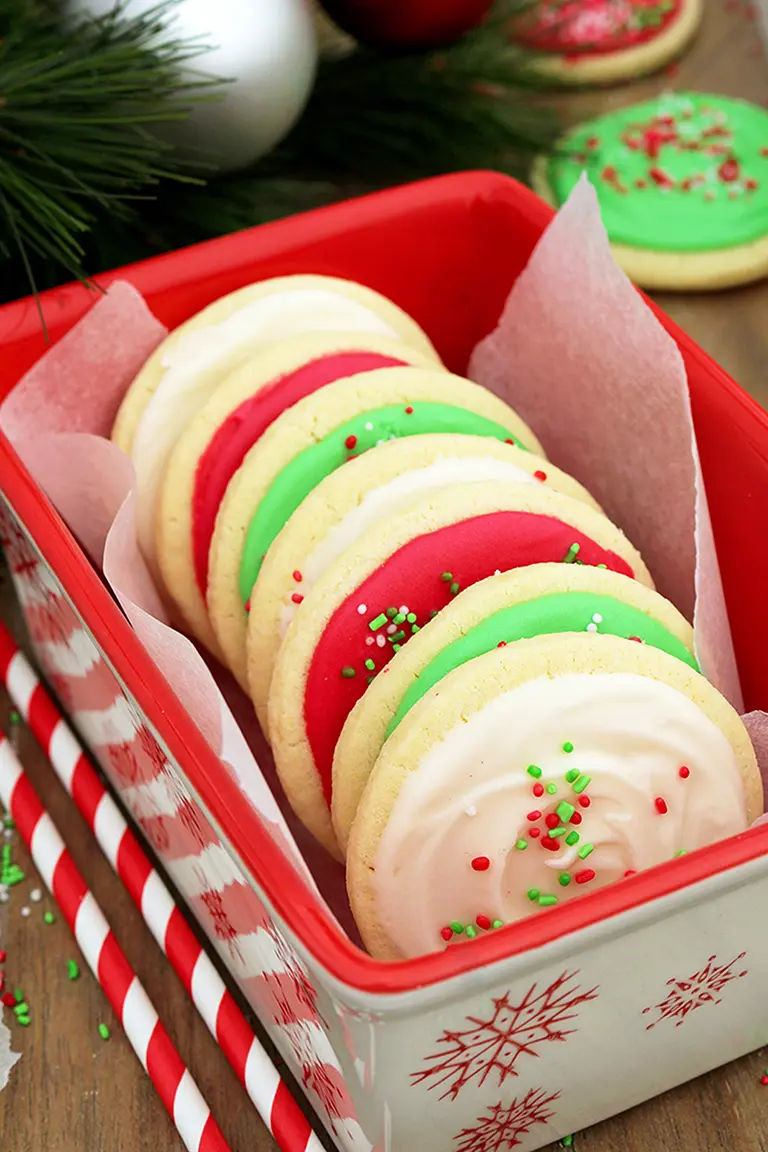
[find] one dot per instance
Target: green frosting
(560, 612)
(685, 172)
(309, 467)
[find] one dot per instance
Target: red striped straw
(266, 1089)
(106, 959)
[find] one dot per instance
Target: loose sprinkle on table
(104, 1031)
(73, 969)
(49, 918)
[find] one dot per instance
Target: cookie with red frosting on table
(216, 441)
(605, 41)
(538, 773)
(309, 441)
(183, 372)
(351, 501)
(388, 586)
(515, 605)
(682, 182)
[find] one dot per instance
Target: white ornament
(267, 49)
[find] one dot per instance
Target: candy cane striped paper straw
(266, 1089)
(104, 956)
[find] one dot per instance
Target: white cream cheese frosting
(632, 770)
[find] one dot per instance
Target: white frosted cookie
(352, 500)
(612, 756)
(390, 584)
(515, 605)
(215, 442)
(308, 442)
(182, 373)
(605, 42)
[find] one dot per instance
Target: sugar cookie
(184, 370)
(307, 443)
(351, 501)
(604, 42)
(216, 441)
(682, 182)
(515, 605)
(614, 756)
(391, 583)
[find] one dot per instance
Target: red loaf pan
(535, 1030)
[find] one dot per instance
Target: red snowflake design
(301, 986)
(685, 996)
(514, 1030)
(502, 1128)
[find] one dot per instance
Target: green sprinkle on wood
(73, 969)
(104, 1031)
(49, 918)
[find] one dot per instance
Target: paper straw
(266, 1089)
(104, 956)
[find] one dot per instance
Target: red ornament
(407, 23)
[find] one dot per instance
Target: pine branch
(86, 184)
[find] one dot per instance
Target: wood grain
(71, 1091)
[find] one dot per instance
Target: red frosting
(243, 427)
(579, 28)
(417, 576)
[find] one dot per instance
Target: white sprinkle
(497, 572)
(369, 640)
(471, 811)
(597, 618)
(369, 427)
(591, 627)
(25, 911)
(36, 895)
(380, 640)
(391, 628)
(362, 609)
(4, 897)
(8, 833)
(403, 609)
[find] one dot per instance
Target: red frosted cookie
(390, 584)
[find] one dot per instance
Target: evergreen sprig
(85, 182)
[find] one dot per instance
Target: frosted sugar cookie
(538, 773)
(682, 182)
(183, 372)
(395, 579)
(216, 441)
(351, 501)
(606, 41)
(311, 440)
(515, 605)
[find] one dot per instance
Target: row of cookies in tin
(314, 491)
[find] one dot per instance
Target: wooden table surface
(73, 1091)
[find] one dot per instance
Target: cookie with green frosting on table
(387, 587)
(366, 492)
(216, 441)
(514, 605)
(310, 441)
(682, 182)
(605, 41)
(536, 774)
